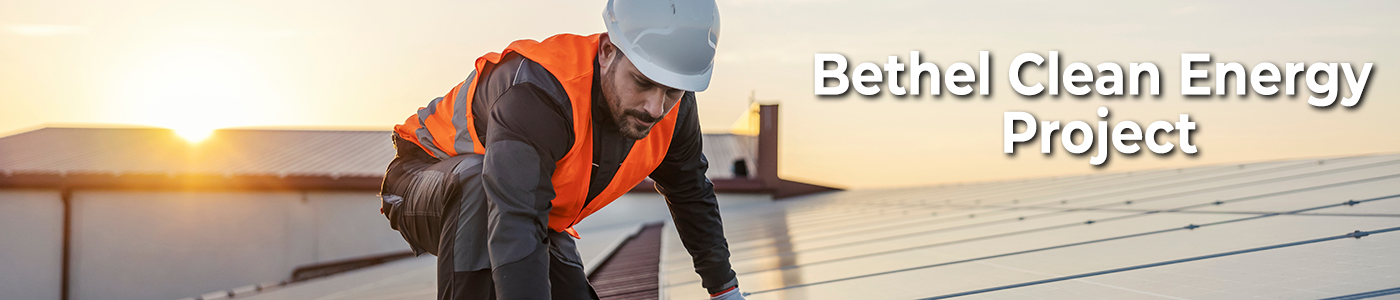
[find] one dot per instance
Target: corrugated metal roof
(632, 270)
(723, 150)
(240, 152)
(153, 151)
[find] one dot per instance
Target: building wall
(31, 239)
(169, 245)
(349, 225)
(172, 244)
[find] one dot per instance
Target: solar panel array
(1298, 229)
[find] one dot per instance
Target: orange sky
(368, 65)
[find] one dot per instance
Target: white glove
(733, 294)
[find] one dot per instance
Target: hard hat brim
(694, 83)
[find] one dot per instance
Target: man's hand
(731, 294)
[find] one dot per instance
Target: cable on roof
(1356, 234)
(1366, 295)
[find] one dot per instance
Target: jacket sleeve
(691, 199)
(525, 136)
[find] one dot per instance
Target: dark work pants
(444, 211)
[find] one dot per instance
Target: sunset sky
(206, 64)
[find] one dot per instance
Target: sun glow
(197, 89)
(194, 135)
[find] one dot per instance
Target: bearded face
(636, 102)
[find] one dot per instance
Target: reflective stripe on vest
(570, 59)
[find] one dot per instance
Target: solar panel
(1311, 271)
(1306, 229)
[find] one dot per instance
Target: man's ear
(606, 52)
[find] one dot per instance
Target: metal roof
(722, 150)
(225, 153)
(632, 271)
(242, 158)
(246, 152)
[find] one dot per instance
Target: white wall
(170, 244)
(31, 240)
(349, 225)
(167, 245)
(155, 245)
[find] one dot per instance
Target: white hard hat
(671, 42)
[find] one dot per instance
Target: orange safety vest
(569, 58)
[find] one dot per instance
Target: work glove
(731, 294)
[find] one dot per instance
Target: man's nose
(655, 105)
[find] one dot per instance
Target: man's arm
(526, 135)
(691, 198)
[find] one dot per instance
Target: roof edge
(192, 182)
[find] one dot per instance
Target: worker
(493, 176)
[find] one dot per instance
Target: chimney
(768, 160)
(768, 147)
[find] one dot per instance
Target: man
(492, 177)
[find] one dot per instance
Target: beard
(636, 124)
(631, 123)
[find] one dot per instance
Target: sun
(194, 135)
(196, 89)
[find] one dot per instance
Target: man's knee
(416, 197)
